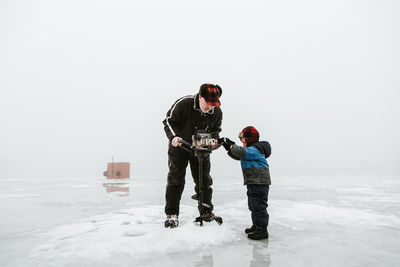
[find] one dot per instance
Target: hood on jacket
(264, 147)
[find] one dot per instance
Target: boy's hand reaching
(226, 142)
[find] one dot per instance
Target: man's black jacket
(185, 118)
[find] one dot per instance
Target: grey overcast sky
(83, 80)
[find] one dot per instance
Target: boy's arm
(228, 144)
(233, 156)
(247, 153)
(238, 151)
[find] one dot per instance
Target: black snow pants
(258, 202)
(177, 163)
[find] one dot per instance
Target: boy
(256, 176)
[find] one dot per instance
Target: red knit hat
(251, 135)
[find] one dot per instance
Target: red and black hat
(211, 93)
(251, 135)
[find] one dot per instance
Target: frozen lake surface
(314, 221)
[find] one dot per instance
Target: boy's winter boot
(251, 229)
(172, 221)
(260, 233)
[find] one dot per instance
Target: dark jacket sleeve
(174, 119)
(238, 151)
(233, 156)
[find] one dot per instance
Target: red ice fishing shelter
(118, 170)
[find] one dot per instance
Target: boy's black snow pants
(258, 203)
(177, 163)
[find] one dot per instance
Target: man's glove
(220, 140)
(226, 142)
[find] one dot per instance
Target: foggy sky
(82, 81)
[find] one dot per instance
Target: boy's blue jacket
(255, 167)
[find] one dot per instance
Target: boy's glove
(226, 142)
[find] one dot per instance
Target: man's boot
(260, 233)
(172, 221)
(207, 214)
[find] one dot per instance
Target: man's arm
(174, 119)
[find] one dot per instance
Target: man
(188, 115)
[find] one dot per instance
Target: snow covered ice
(314, 221)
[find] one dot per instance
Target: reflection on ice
(205, 260)
(117, 187)
(260, 254)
